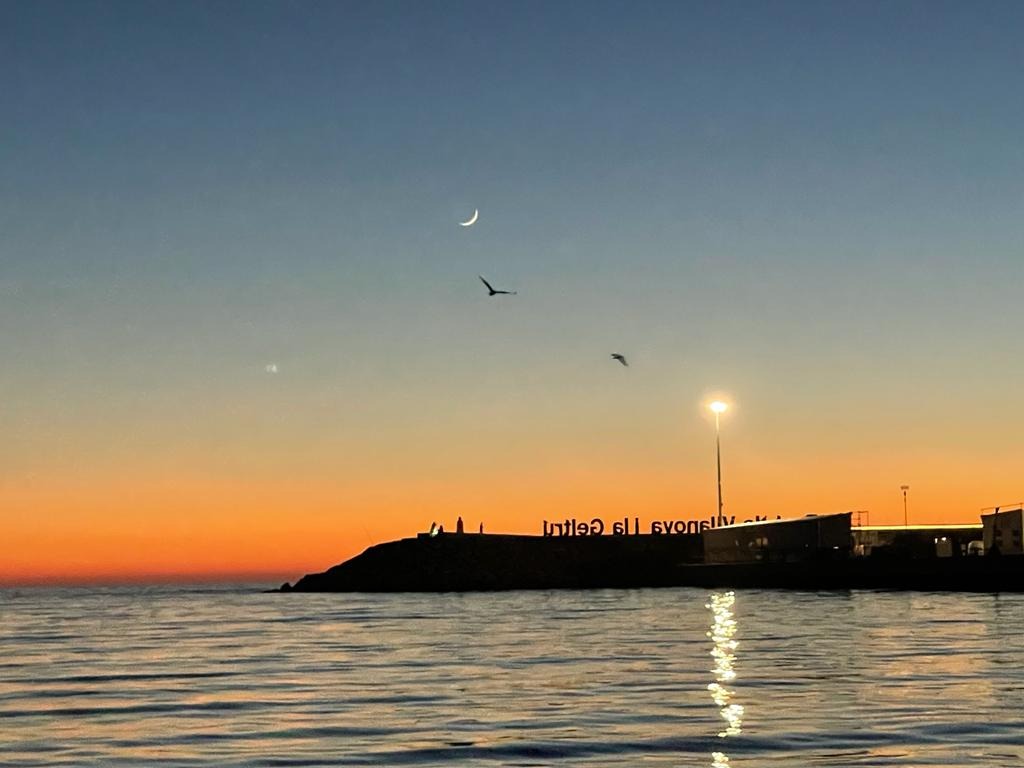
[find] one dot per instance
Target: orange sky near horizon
(195, 527)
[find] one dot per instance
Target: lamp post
(904, 488)
(718, 408)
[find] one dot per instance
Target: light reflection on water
(231, 677)
(723, 651)
(723, 637)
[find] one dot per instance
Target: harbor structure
(917, 540)
(813, 537)
(810, 552)
(1003, 528)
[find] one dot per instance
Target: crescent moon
(472, 219)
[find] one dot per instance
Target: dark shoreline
(490, 562)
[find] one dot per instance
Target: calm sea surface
(680, 677)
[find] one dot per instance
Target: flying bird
(620, 358)
(491, 291)
(472, 219)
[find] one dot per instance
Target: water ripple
(231, 677)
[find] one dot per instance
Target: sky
(813, 210)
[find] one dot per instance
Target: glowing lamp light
(719, 407)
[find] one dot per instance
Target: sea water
(671, 677)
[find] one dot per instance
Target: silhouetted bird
(491, 291)
(620, 358)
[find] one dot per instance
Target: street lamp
(904, 488)
(718, 408)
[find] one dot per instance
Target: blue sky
(816, 207)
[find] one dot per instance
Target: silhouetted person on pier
(481, 527)
(458, 525)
